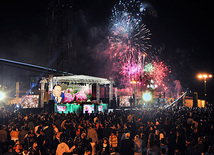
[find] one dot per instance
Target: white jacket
(63, 148)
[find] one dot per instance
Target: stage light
(2, 95)
(133, 82)
(147, 96)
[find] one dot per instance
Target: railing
(176, 101)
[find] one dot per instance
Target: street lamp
(134, 82)
(205, 76)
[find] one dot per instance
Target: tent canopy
(81, 79)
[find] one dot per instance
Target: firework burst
(129, 44)
(157, 71)
(128, 30)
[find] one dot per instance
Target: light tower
(204, 76)
(61, 53)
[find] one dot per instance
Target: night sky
(183, 27)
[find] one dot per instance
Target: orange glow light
(200, 76)
(204, 76)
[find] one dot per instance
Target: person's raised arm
(69, 150)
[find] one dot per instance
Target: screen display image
(125, 101)
(77, 92)
(100, 108)
(30, 101)
(61, 108)
(89, 108)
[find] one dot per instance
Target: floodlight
(147, 96)
(2, 95)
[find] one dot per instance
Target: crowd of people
(174, 131)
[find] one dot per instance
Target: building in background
(18, 79)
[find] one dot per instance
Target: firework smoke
(177, 87)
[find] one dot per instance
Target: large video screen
(100, 108)
(72, 93)
(62, 108)
(88, 107)
(30, 101)
(125, 101)
(77, 92)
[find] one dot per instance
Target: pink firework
(131, 69)
(159, 73)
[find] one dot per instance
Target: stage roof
(81, 79)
